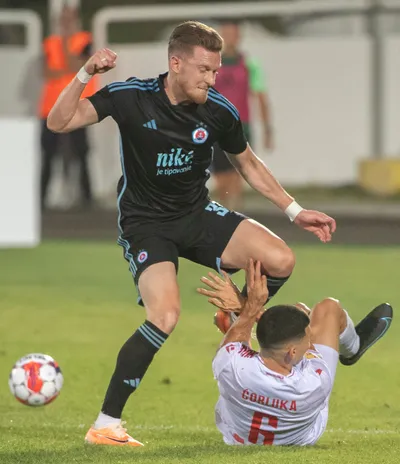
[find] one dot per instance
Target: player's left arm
(233, 141)
(260, 178)
(240, 331)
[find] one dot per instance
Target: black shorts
(200, 236)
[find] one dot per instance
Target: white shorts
(331, 358)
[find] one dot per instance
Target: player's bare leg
(160, 293)
(159, 290)
(328, 321)
(253, 240)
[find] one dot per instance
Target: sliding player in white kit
(280, 395)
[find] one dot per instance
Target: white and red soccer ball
(36, 379)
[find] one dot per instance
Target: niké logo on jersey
(176, 162)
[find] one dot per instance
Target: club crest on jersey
(199, 135)
(142, 256)
(310, 355)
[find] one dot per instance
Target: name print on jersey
(178, 160)
(277, 403)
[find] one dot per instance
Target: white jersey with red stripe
(259, 406)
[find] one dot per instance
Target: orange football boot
(113, 435)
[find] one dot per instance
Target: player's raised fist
(102, 61)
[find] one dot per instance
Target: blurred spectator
(239, 79)
(64, 54)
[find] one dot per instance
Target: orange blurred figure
(64, 54)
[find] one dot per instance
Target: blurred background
(323, 104)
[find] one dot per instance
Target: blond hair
(192, 34)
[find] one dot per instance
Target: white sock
(104, 421)
(349, 341)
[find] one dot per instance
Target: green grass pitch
(76, 302)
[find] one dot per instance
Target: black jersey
(166, 149)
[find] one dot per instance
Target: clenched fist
(101, 62)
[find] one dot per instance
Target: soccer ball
(36, 379)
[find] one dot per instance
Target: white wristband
(83, 76)
(293, 210)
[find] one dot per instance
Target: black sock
(273, 284)
(133, 361)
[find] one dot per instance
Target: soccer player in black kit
(168, 126)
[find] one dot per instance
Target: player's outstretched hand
(318, 223)
(101, 62)
(224, 294)
(257, 290)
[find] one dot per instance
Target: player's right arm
(223, 295)
(257, 295)
(70, 112)
(239, 333)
